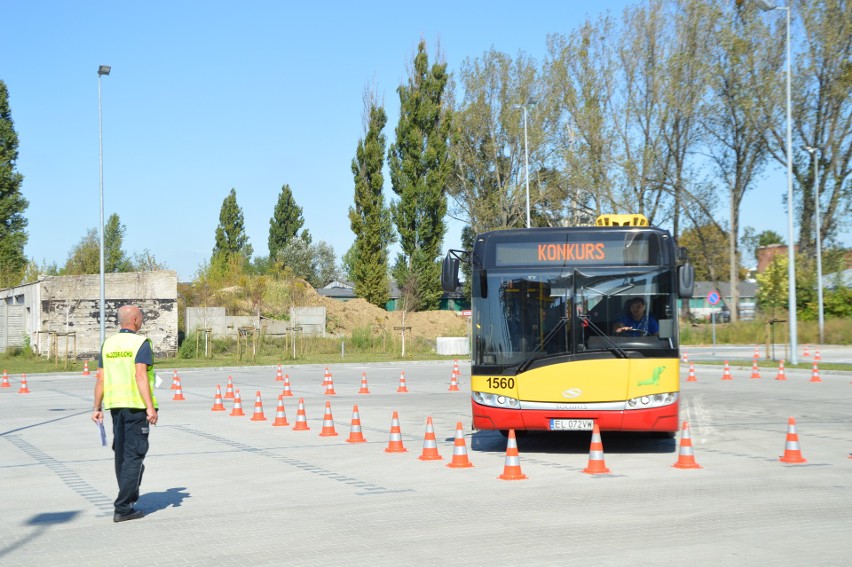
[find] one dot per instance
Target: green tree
(580, 71)
(13, 237)
(370, 218)
(731, 125)
(420, 167)
(115, 259)
(145, 261)
(708, 251)
(34, 270)
(772, 286)
(821, 112)
(752, 242)
(85, 256)
(488, 185)
(315, 263)
(285, 222)
(231, 235)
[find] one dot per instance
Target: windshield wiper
(613, 347)
(528, 360)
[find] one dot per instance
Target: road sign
(713, 297)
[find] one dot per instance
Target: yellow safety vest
(119, 364)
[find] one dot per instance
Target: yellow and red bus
(555, 346)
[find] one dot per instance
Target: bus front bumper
(655, 419)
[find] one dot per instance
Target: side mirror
(685, 281)
(450, 273)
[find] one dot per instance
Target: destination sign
(600, 251)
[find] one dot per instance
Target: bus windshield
(550, 314)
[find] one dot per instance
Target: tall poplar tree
(285, 222)
(370, 218)
(231, 237)
(115, 258)
(13, 237)
(420, 167)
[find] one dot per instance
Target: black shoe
(134, 515)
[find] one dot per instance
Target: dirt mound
(342, 317)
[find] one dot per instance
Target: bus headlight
(651, 401)
(495, 400)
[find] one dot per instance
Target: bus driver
(635, 322)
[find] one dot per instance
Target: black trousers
(130, 443)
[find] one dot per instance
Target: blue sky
(206, 96)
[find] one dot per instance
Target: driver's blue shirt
(646, 325)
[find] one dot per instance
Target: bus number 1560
(501, 383)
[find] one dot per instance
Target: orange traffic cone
(280, 415)
(287, 393)
(756, 352)
(454, 383)
(402, 387)
(691, 377)
(512, 467)
(430, 444)
(596, 454)
(175, 380)
(328, 423)
(5, 383)
(395, 441)
(726, 374)
(460, 460)
(781, 375)
(355, 435)
(792, 453)
(217, 400)
(326, 377)
(456, 367)
(301, 418)
(755, 371)
(817, 357)
(685, 357)
(686, 457)
(86, 368)
(815, 374)
(278, 376)
(229, 389)
(238, 404)
(258, 409)
(178, 392)
(24, 389)
(329, 387)
(364, 389)
(807, 352)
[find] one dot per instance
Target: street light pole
(791, 255)
(821, 313)
(102, 70)
(527, 165)
(526, 156)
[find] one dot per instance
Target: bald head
(130, 317)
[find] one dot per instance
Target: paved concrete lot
(227, 490)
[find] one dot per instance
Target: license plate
(571, 424)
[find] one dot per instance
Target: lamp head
(103, 70)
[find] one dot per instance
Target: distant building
(59, 314)
(843, 279)
(700, 308)
(344, 291)
(765, 255)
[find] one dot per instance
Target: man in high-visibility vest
(125, 386)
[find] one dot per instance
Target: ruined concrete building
(58, 314)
